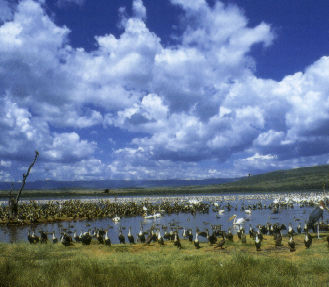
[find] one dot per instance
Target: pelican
(248, 211)
(116, 219)
(237, 221)
(221, 211)
(154, 215)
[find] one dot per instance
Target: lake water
(294, 215)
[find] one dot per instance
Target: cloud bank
(194, 110)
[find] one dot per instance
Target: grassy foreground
(23, 264)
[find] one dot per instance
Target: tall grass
(54, 265)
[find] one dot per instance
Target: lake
(301, 205)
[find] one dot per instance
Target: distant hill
(305, 178)
(113, 184)
(298, 179)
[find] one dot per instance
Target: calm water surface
(181, 220)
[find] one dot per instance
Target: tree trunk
(13, 202)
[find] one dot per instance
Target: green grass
(95, 265)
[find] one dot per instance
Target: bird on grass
(177, 241)
(299, 228)
(308, 240)
(328, 240)
(196, 241)
(229, 235)
(76, 237)
(54, 238)
(212, 239)
(86, 238)
(160, 238)
(35, 239)
(290, 230)
(66, 240)
(258, 243)
(291, 244)
(221, 243)
(121, 237)
(278, 238)
(251, 232)
(243, 237)
(107, 240)
(43, 237)
(131, 237)
(141, 235)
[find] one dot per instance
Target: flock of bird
(34, 212)
(217, 237)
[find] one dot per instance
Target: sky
(162, 89)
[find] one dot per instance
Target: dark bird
(328, 240)
(166, 235)
(229, 235)
(305, 227)
(107, 240)
(190, 235)
(278, 238)
(177, 241)
(308, 240)
(43, 237)
(29, 238)
(243, 237)
(212, 239)
(55, 240)
(290, 230)
(299, 228)
(66, 240)
(251, 232)
(221, 243)
(86, 238)
(160, 238)
(291, 244)
(76, 237)
(131, 237)
(100, 237)
(35, 238)
(260, 235)
(121, 237)
(258, 243)
(315, 215)
(196, 241)
(141, 235)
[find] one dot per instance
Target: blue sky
(162, 89)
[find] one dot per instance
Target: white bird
(221, 211)
(247, 211)
(237, 221)
(116, 219)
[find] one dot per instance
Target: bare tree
(13, 202)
